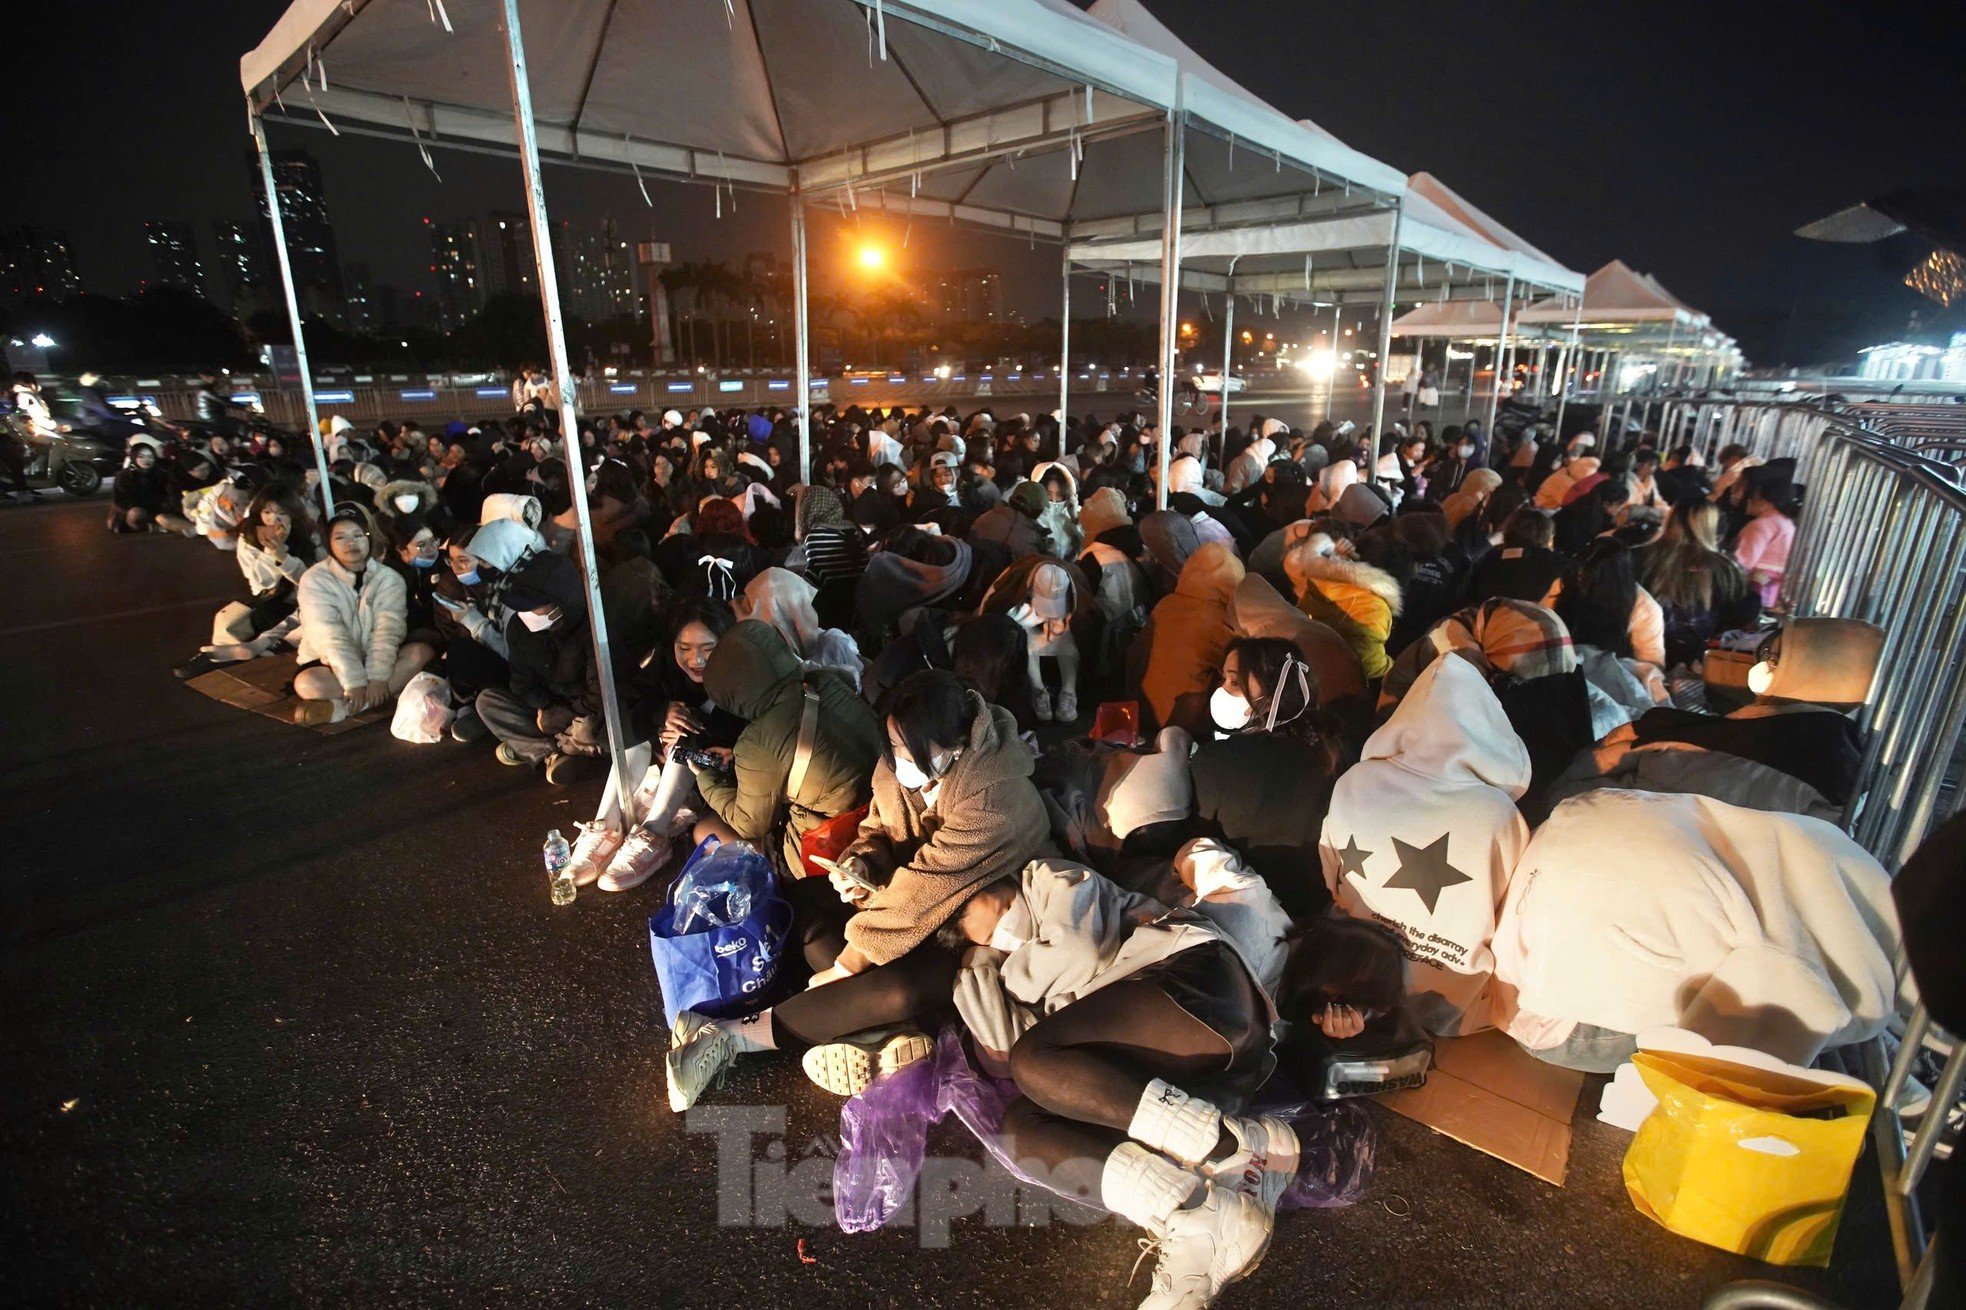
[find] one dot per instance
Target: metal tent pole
(1385, 337)
(1065, 347)
(1501, 338)
(802, 337)
(1331, 385)
(1170, 287)
(1228, 344)
(293, 312)
(1573, 346)
(556, 350)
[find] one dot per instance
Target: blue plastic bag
(717, 969)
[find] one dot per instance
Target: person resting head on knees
(353, 619)
(1113, 1014)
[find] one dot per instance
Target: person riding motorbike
(216, 408)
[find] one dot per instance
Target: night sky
(1676, 136)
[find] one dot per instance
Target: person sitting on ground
(1762, 548)
(140, 499)
(1700, 589)
(1602, 604)
(1051, 601)
(1060, 516)
(1353, 596)
(1263, 782)
(1795, 748)
(782, 773)
(953, 808)
(1134, 1035)
(1765, 930)
(1423, 835)
(786, 601)
(353, 618)
(555, 688)
(1523, 567)
(275, 547)
(1016, 524)
(473, 626)
(1180, 650)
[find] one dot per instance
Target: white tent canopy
(1019, 114)
(1342, 257)
(1617, 295)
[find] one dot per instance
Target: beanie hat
(1104, 510)
(1028, 498)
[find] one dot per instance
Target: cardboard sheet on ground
(1489, 1093)
(261, 686)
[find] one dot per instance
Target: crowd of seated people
(1354, 686)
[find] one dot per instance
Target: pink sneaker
(640, 855)
(591, 851)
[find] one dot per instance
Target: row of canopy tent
(1028, 117)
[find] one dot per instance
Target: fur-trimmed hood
(1306, 567)
(385, 496)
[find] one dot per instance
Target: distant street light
(872, 257)
(42, 340)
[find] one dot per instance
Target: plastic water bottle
(559, 868)
(718, 905)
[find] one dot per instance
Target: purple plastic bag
(884, 1138)
(1339, 1150)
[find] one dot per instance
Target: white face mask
(910, 775)
(1229, 710)
(405, 503)
(1761, 677)
(535, 622)
(1002, 939)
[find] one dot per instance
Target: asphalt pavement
(293, 1022)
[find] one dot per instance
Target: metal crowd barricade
(1882, 537)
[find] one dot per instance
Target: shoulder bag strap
(802, 757)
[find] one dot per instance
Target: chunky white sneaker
(641, 853)
(1068, 705)
(700, 1051)
(1264, 1165)
(1041, 704)
(1206, 1248)
(849, 1068)
(592, 849)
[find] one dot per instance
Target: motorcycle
(76, 461)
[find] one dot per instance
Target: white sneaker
(1264, 1166)
(850, 1068)
(1206, 1248)
(1068, 706)
(1041, 704)
(700, 1051)
(592, 850)
(641, 853)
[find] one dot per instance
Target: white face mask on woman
(1229, 710)
(910, 775)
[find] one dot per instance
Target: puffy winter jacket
(755, 676)
(1188, 634)
(354, 626)
(1354, 598)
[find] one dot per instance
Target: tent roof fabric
(1617, 293)
(967, 108)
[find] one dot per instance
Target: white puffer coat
(355, 633)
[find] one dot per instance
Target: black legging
(915, 989)
(1082, 1070)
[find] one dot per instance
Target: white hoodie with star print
(1423, 833)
